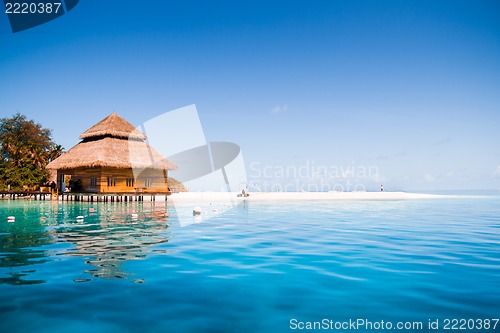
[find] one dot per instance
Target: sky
(400, 93)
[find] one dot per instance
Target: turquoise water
(254, 268)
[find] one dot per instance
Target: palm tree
(55, 151)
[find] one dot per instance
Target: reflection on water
(105, 237)
(107, 245)
(260, 262)
(17, 278)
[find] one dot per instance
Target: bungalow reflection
(105, 238)
(110, 243)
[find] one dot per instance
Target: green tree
(25, 150)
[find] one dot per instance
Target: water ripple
(381, 260)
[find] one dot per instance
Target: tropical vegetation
(25, 150)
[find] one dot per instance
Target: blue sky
(410, 87)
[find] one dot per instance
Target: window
(93, 182)
(148, 182)
(111, 181)
(130, 182)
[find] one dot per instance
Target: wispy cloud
(280, 109)
(437, 154)
(429, 178)
(400, 154)
(442, 142)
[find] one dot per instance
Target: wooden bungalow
(112, 158)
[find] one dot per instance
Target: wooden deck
(83, 197)
(37, 195)
(111, 197)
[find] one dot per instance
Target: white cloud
(280, 108)
(497, 171)
(429, 178)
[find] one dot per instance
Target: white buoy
(79, 218)
(196, 211)
(11, 219)
(134, 215)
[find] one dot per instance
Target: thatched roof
(113, 125)
(111, 148)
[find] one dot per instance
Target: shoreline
(289, 196)
(305, 196)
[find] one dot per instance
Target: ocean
(364, 266)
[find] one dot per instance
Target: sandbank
(301, 196)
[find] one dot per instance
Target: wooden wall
(84, 175)
(149, 180)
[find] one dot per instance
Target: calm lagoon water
(252, 268)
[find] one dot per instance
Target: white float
(196, 211)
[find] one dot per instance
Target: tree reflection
(105, 240)
(20, 245)
(17, 279)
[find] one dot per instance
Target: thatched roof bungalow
(112, 157)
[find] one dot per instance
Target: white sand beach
(299, 196)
